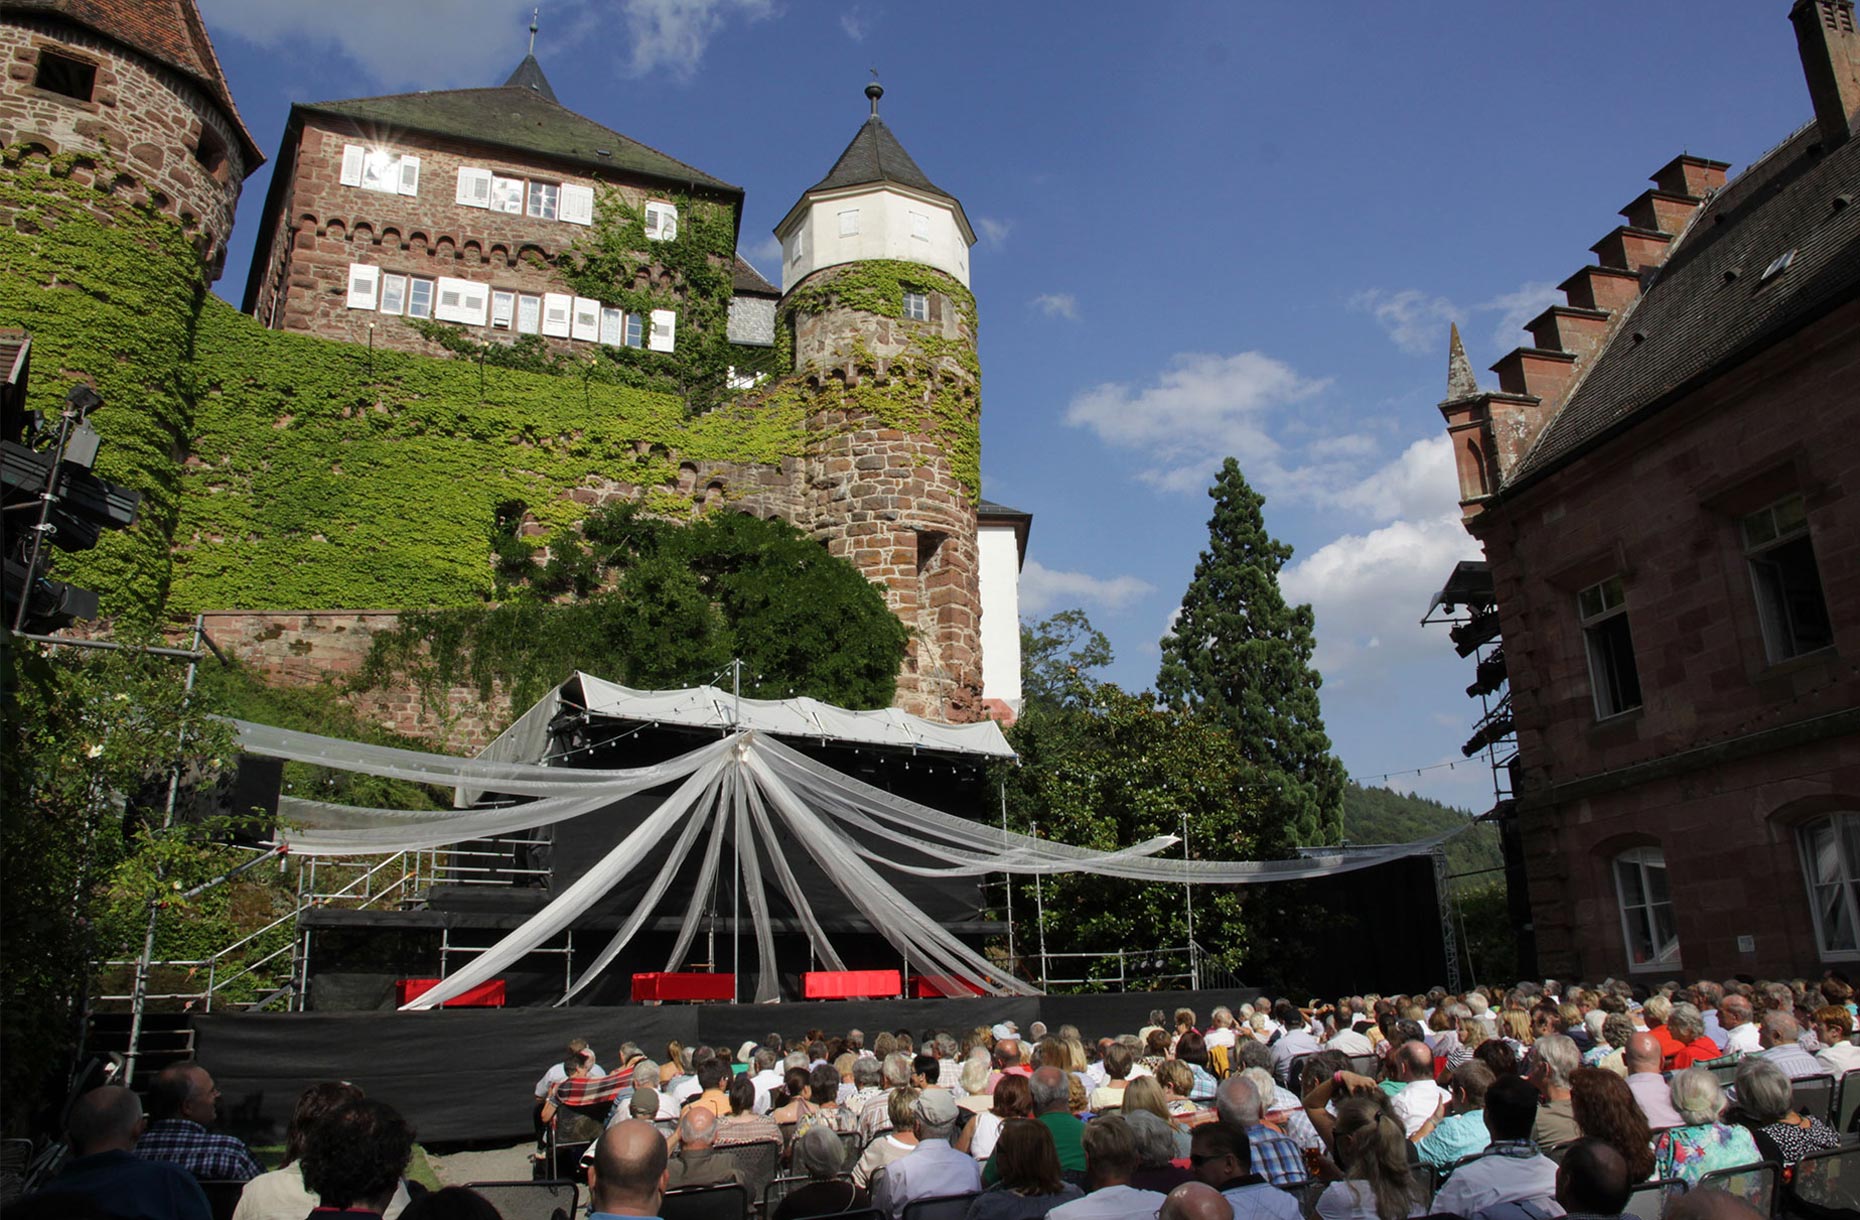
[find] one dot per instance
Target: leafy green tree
(1240, 655)
(1102, 768)
(1057, 651)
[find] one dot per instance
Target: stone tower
(877, 309)
(134, 92)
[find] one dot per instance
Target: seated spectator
(1050, 1088)
(1154, 1050)
(1741, 1036)
(1295, 1041)
(1177, 1082)
(1410, 1084)
(1704, 1143)
(182, 1102)
(1283, 1111)
(1221, 1156)
(1190, 1049)
(1459, 1131)
(1553, 1059)
(1145, 1096)
(1110, 1160)
(1593, 1180)
(897, 1142)
(577, 1054)
(1273, 1156)
(1031, 1185)
(1154, 1137)
(1604, 1109)
(932, 1169)
(1117, 1064)
(1610, 1048)
(1013, 1098)
(895, 1073)
(281, 1194)
(1220, 1028)
(1764, 1108)
(105, 1177)
(644, 1104)
(1500, 1055)
(1686, 1029)
(1195, 1201)
(696, 1161)
(1780, 1037)
(742, 1125)
(712, 1074)
(673, 1067)
(355, 1157)
(1655, 1097)
(574, 1124)
(1511, 1169)
(973, 1077)
(630, 1173)
(1373, 1154)
(1834, 1027)
(821, 1155)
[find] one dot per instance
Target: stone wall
(144, 117)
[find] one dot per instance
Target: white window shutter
(476, 301)
(363, 282)
(474, 187)
(503, 306)
(409, 175)
(613, 324)
(577, 204)
(849, 223)
(664, 330)
(352, 155)
(557, 307)
(587, 321)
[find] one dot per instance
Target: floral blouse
(1689, 1153)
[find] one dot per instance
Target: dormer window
(661, 222)
(377, 169)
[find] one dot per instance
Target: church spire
(1460, 380)
(529, 73)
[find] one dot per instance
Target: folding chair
(530, 1200)
(1364, 1065)
(759, 1163)
(1813, 1096)
(708, 1203)
(779, 1189)
(1757, 1185)
(1847, 1101)
(947, 1207)
(1648, 1200)
(223, 1197)
(1308, 1197)
(1829, 1181)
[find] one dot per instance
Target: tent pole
(1007, 883)
(736, 905)
(1039, 913)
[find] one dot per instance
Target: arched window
(1831, 867)
(1647, 923)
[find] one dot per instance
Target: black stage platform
(467, 1075)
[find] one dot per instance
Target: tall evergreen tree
(1239, 654)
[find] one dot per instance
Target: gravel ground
(484, 1165)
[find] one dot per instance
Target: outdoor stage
(469, 1074)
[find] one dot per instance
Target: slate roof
(517, 116)
(1708, 307)
(168, 31)
(746, 279)
(876, 156)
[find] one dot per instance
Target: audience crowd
(1497, 1104)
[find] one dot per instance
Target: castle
(497, 226)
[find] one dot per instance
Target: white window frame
(849, 222)
(664, 334)
(393, 294)
(503, 308)
(585, 321)
(1845, 885)
(613, 325)
(1596, 607)
(474, 190)
(661, 221)
(1780, 524)
(415, 285)
(575, 204)
(633, 334)
(364, 285)
(529, 314)
(558, 313)
(916, 306)
(462, 301)
(543, 200)
(1642, 860)
(508, 195)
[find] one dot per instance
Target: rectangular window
(474, 187)
(661, 222)
(917, 306)
(529, 315)
(544, 197)
(1612, 674)
(462, 301)
(849, 223)
(577, 204)
(507, 195)
(586, 323)
(1831, 867)
(503, 308)
(557, 306)
(74, 78)
(613, 326)
(635, 330)
(664, 330)
(393, 294)
(1647, 922)
(381, 170)
(363, 281)
(1787, 580)
(419, 298)
(920, 226)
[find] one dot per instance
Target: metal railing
(1181, 964)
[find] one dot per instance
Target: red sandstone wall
(148, 117)
(1659, 505)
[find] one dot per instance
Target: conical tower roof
(529, 75)
(874, 155)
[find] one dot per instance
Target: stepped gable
(1710, 305)
(168, 31)
(521, 114)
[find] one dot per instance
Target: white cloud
(994, 232)
(1042, 589)
(1516, 308)
(1415, 321)
(1200, 409)
(674, 33)
(1421, 483)
(855, 23)
(1057, 305)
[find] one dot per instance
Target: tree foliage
(1055, 653)
(1240, 655)
(656, 604)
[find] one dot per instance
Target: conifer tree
(1239, 654)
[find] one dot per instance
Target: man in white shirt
(766, 1077)
(1110, 1160)
(1418, 1098)
(933, 1169)
(1740, 1033)
(1834, 1027)
(1220, 1028)
(557, 1073)
(1511, 1170)
(1780, 1036)
(1650, 1089)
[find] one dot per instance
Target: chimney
(1830, 48)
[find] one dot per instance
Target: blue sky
(1206, 229)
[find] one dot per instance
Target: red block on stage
(484, 995)
(852, 984)
(661, 986)
(940, 986)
